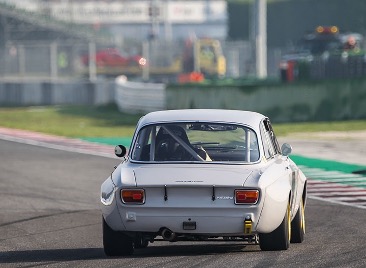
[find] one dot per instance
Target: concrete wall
(54, 93)
(326, 101)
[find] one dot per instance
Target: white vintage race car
(194, 175)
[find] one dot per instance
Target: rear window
(187, 142)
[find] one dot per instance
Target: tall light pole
(154, 13)
(260, 37)
(167, 22)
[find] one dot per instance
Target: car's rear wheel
(116, 243)
(280, 238)
(298, 225)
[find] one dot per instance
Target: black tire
(116, 243)
(280, 238)
(298, 225)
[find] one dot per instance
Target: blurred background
(72, 51)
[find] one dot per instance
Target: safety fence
(341, 66)
(36, 59)
(54, 60)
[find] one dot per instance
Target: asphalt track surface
(49, 204)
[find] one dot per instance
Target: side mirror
(120, 151)
(286, 149)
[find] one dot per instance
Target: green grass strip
(326, 164)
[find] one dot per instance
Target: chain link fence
(42, 60)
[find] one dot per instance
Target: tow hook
(248, 225)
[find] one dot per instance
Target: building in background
(139, 20)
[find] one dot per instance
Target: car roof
(204, 115)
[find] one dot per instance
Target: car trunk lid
(203, 175)
(188, 186)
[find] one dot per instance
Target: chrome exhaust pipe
(168, 235)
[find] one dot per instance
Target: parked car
(200, 175)
(113, 57)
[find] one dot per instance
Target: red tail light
(133, 196)
(246, 196)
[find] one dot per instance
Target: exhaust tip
(168, 234)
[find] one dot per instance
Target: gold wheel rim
(302, 216)
(289, 222)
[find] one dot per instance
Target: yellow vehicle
(203, 56)
(210, 60)
(199, 59)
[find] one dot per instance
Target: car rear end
(190, 200)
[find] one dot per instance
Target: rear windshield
(196, 142)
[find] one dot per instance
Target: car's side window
(274, 141)
(270, 144)
(141, 150)
(271, 136)
(268, 149)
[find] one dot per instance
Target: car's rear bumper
(208, 221)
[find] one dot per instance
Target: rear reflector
(133, 196)
(246, 196)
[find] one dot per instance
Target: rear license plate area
(189, 225)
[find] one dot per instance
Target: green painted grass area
(126, 141)
(326, 164)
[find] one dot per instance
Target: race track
(49, 203)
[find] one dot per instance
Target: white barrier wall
(136, 97)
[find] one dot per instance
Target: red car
(112, 57)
